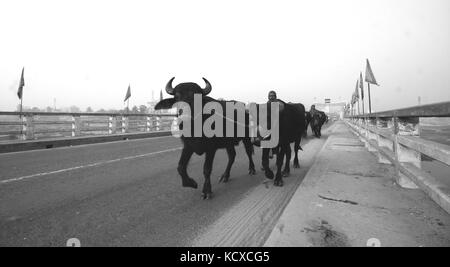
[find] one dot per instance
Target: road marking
(86, 166)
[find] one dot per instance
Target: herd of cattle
(292, 122)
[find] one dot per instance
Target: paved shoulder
(348, 199)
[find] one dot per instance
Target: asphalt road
(125, 193)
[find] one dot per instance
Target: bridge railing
(41, 125)
(394, 136)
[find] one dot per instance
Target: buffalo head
(182, 92)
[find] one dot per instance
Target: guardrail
(41, 125)
(395, 138)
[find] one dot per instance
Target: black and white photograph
(225, 129)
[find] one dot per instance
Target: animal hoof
(269, 174)
(189, 182)
(278, 183)
(206, 196)
(224, 178)
(286, 173)
(252, 171)
(296, 165)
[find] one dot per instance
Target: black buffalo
(307, 122)
(204, 145)
(292, 125)
(317, 120)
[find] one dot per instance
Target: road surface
(128, 193)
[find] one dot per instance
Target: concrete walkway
(348, 199)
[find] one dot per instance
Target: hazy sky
(85, 53)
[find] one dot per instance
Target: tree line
(142, 109)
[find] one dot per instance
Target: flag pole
(370, 104)
(359, 113)
(20, 116)
(21, 101)
(128, 106)
(362, 99)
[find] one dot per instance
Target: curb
(74, 141)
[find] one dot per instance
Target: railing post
(23, 130)
(148, 123)
(112, 125)
(365, 132)
(174, 125)
(158, 123)
(406, 126)
(76, 127)
(355, 123)
(383, 124)
(28, 128)
(360, 124)
(124, 124)
(371, 136)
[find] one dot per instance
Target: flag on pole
(128, 93)
(160, 95)
(21, 85)
(361, 85)
(370, 78)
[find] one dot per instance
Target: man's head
(272, 96)
(313, 107)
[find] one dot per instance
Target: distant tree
(35, 109)
(48, 109)
(89, 110)
(24, 108)
(142, 109)
(74, 109)
(101, 110)
(135, 110)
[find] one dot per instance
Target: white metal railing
(41, 125)
(395, 137)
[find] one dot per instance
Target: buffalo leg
(231, 156)
(287, 168)
(186, 155)
(280, 157)
(250, 151)
(265, 163)
(207, 169)
(296, 148)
